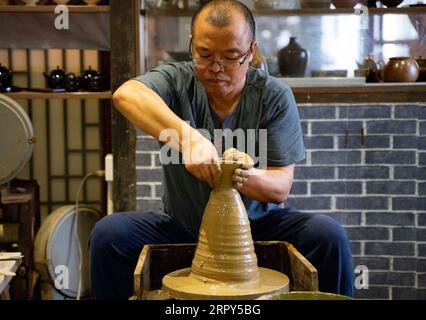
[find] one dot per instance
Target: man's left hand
(240, 176)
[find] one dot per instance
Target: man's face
(229, 44)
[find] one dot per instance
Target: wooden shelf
(320, 11)
(27, 95)
(293, 12)
(51, 8)
(367, 93)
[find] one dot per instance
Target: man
(217, 90)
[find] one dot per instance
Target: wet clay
(225, 264)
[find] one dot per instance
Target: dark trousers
(118, 239)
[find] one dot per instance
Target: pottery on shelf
(314, 4)
(401, 69)
(264, 4)
(5, 78)
(292, 59)
(364, 68)
(344, 3)
(87, 77)
(72, 82)
(56, 79)
(61, 1)
(30, 2)
(91, 2)
(391, 3)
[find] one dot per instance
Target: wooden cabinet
(72, 129)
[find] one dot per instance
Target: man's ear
(253, 50)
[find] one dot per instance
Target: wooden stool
(155, 261)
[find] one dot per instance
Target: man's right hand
(201, 160)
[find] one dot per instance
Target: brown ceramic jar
(401, 69)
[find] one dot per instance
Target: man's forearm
(147, 111)
(268, 185)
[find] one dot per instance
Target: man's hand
(241, 175)
(246, 163)
(201, 160)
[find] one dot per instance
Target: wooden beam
(124, 22)
(387, 93)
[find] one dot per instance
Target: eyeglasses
(228, 63)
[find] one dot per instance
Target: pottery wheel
(181, 285)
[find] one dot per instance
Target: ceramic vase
(292, 59)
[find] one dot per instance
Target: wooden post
(124, 24)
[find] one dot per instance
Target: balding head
(220, 14)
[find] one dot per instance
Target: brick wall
(366, 167)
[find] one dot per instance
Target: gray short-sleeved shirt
(266, 103)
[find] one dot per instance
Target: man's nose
(216, 66)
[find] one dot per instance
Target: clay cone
(225, 264)
(225, 249)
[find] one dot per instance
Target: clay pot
(86, 78)
(344, 3)
(391, 3)
(98, 83)
(56, 79)
(292, 59)
(401, 69)
(72, 82)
